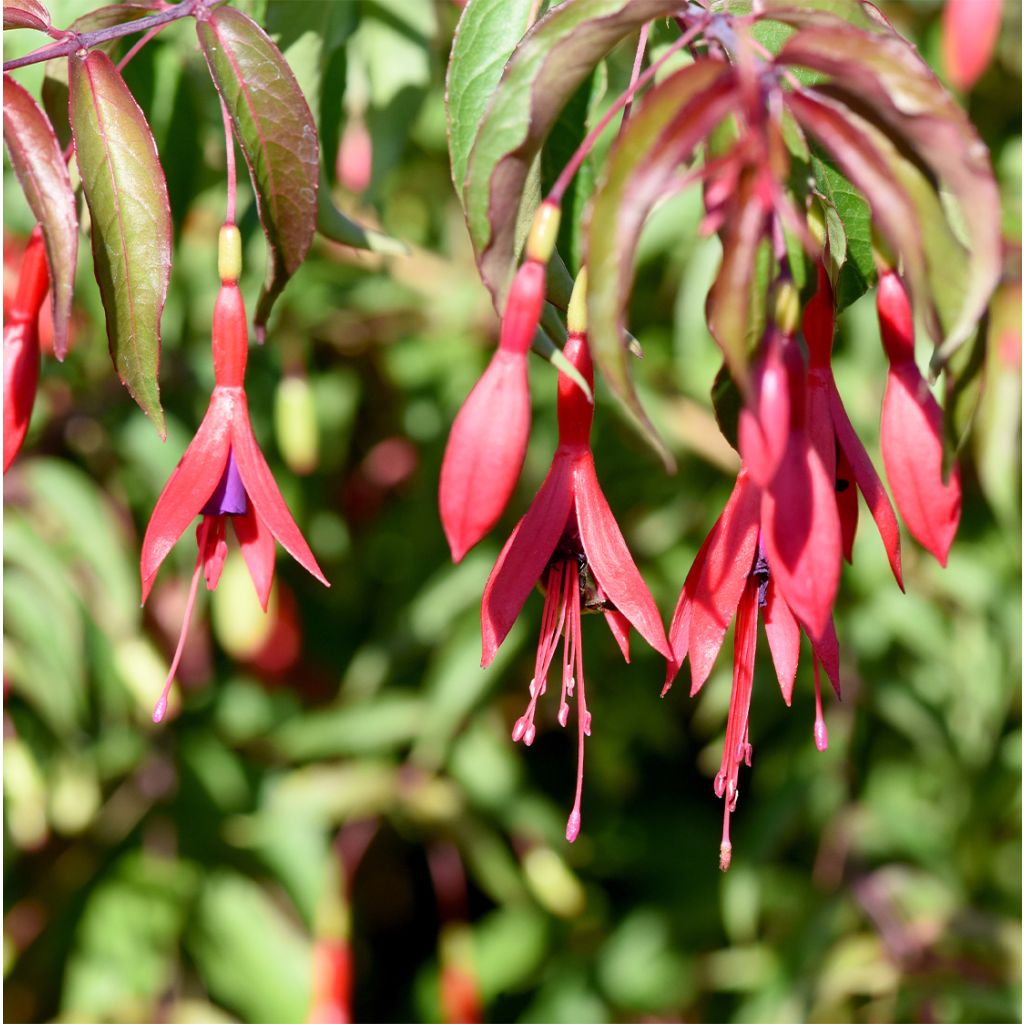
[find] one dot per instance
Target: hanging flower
(21, 346)
(927, 498)
(223, 477)
(569, 542)
(970, 31)
(487, 445)
(732, 577)
(834, 438)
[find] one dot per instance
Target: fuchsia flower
(21, 346)
(223, 476)
(800, 524)
(570, 543)
(733, 576)
(970, 31)
(912, 431)
(487, 445)
(834, 438)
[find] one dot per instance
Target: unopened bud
(572, 827)
(544, 232)
(786, 306)
(229, 253)
(577, 315)
(816, 223)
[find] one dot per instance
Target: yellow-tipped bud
(885, 258)
(577, 317)
(816, 222)
(786, 307)
(544, 232)
(229, 254)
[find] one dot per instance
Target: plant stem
(229, 156)
(75, 42)
(570, 169)
(638, 61)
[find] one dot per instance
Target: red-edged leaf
(26, 14)
(884, 80)
(727, 564)
(39, 165)
(612, 564)
(278, 137)
(554, 57)
(131, 221)
(783, 632)
(525, 554)
(662, 134)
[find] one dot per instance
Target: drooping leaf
(55, 78)
(883, 79)
(333, 224)
(131, 221)
(26, 14)
(278, 137)
(39, 165)
(548, 66)
(674, 117)
(485, 38)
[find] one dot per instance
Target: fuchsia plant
(802, 121)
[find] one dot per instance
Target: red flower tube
(21, 346)
(569, 542)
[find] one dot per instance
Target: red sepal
(21, 378)
(783, 632)
(619, 626)
(764, 427)
(846, 502)
(258, 550)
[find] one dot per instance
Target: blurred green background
(340, 774)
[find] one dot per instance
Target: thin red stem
(229, 156)
(641, 48)
(139, 44)
(570, 169)
(73, 42)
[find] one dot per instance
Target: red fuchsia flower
(332, 983)
(834, 438)
(569, 542)
(799, 519)
(21, 346)
(912, 451)
(223, 477)
(970, 30)
(487, 444)
(732, 576)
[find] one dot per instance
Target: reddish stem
(229, 155)
(638, 61)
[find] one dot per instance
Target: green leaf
(333, 224)
(485, 38)
(131, 221)
(39, 165)
(851, 235)
(277, 134)
(675, 116)
(25, 14)
(883, 79)
(548, 66)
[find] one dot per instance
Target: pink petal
(190, 485)
(258, 550)
(764, 427)
(525, 555)
(800, 528)
(869, 484)
(485, 452)
(783, 633)
(264, 496)
(727, 564)
(619, 625)
(610, 560)
(912, 453)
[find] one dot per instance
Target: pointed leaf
(548, 66)
(333, 224)
(675, 116)
(884, 79)
(131, 221)
(26, 14)
(39, 165)
(277, 134)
